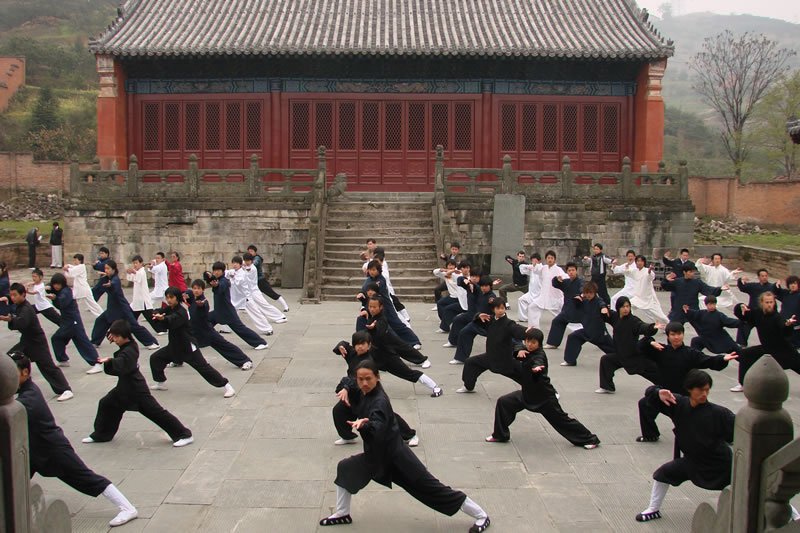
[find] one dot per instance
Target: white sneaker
(281, 320)
(550, 347)
(601, 390)
(440, 330)
(262, 346)
(447, 345)
(456, 362)
(426, 364)
(96, 369)
(435, 308)
(180, 443)
(230, 392)
(590, 446)
(285, 309)
(87, 440)
(247, 366)
(124, 517)
(66, 395)
(161, 333)
(417, 346)
(154, 346)
(413, 442)
(342, 442)
(465, 390)
(737, 388)
(158, 385)
(173, 365)
(564, 363)
(63, 364)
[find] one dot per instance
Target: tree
(779, 105)
(732, 74)
(45, 114)
(666, 10)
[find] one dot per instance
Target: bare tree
(732, 74)
(779, 105)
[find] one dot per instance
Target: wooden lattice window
(550, 128)
(323, 125)
(347, 126)
(192, 129)
(152, 123)
(570, 129)
(393, 138)
(253, 125)
(300, 125)
(610, 129)
(233, 126)
(440, 114)
(508, 127)
(463, 126)
(529, 127)
(370, 126)
(213, 126)
(416, 126)
(590, 126)
(172, 126)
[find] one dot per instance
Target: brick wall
(12, 77)
(19, 171)
(776, 202)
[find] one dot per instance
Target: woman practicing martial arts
(386, 459)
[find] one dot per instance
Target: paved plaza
(265, 460)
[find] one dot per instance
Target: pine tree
(45, 114)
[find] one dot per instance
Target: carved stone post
(438, 186)
(683, 176)
(627, 178)
(74, 177)
(253, 178)
(193, 177)
(762, 427)
(322, 168)
(566, 178)
(13, 451)
(508, 186)
(132, 179)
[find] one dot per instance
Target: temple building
(381, 83)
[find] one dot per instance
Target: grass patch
(15, 230)
(781, 241)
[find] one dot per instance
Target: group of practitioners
(171, 308)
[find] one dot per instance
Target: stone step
(424, 263)
(414, 272)
(392, 254)
(389, 221)
(384, 196)
(410, 293)
(411, 297)
(399, 282)
(406, 240)
(368, 208)
(406, 230)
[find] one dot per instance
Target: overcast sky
(779, 9)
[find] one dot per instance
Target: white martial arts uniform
(141, 295)
(549, 298)
(644, 299)
(627, 289)
(256, 304)
(403, 314)
(534, 288)
(80, 288)
(161, 283)
(716, 276)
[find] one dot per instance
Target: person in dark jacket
(71, 326)
(676, 265)
(789, 297)
(52, 455)
(457, 318)
(686, 291)
(710, 326)
(384, 337)
(466, 335)
(501, 332)
(599, 264)
(263, 283)
(519, 281)
(753, 290)
(360, 350)
(539, 396)
(589, 307)
(386, 459)
(32, 238)
(703, 432)
(181, 347)
(775, 333)
(99, 265)
(224, 312)
(130, 393)
(401, 329)
(56, 246)
(674, 361)
(203, 331)
(33, 342)
(572, 288)
(627, 330)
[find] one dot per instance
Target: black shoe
(478, 529)
(647, 439)
(337, 521)
(646, 517)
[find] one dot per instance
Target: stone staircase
(402, 223)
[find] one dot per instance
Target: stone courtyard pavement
(265, 460)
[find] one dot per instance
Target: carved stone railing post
(508, 186)
(566, 178)
(438, 184)
(132, 176)
(74, 176)
(13, 452)
(193, 176)
(322, 171)
(253, 177)
(627, 178)
(683, 177)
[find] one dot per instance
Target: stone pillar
(112, 114)
(276, 133)
(648, 120)
(13, 451)
(763, 426)
(508, 230)
(485, 156)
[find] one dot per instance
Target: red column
(485, 158)
(648, 144)
(112, 114)
(276, 131)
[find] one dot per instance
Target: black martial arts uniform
(539, 396)
(519, 281)
(263, 283)
(181, 348)
(598, 270)
(776, 340)
(702, 433)
(754, 290)
(387, 459)
(386, 341)
(465, 336)
(51, 454)
(686, 292)
(131, 394)
(398, 326)
(99, 289)
(569, 313)
(673, 365)
(118, 308)
(790, 306)
(454, 316)
(448, 307)
(342, 412)
(71, 329)
(33, 343)
(205, 334)
(676, 265)
(710, 327)
(441, 288)
(224, 313)
(32, 238)
(627, 331)
(499, 357)
(593, 330)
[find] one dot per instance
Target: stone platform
(265, 460)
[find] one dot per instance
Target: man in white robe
(549, 298)
(534, 286)
(716, 275)
(644, 299)
(627, 289)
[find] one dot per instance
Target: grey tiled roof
(589, 29)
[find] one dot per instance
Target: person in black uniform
(99, 265)
(224, 312)
(710, 326)
(703, 431)
(386, 459)
(501, 332)
(130, 393)
(539, 396)
(589, 308)
(674, 361)
(263, 283)
(71, 326)
(753, 290)
(789, 297)
(686, 291)
(33, 342)
(599, 264)
(181, 347)
(627, 330)
(401, 333)
(519, 281)
(464, 336)
(51, 454)
(572, 288)
(203, 331)
(361, 350)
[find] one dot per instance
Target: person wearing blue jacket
(224, 312)
(71, 326)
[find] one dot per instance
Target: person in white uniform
(534, 286)
(160, 272)
(644, 299)
(716, 275)
(80, 286)
(549, 298)
(627, 289)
